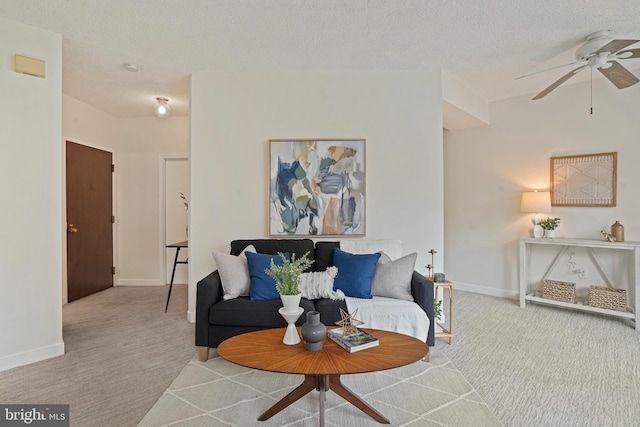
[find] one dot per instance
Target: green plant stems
(287, 275)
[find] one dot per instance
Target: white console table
(564, 244)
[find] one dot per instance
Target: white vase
(538, 231)
(290, 302)
(549, 234)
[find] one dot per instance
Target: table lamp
(536, 202)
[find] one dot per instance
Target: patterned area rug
(219, 393)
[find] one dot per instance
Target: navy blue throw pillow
(355, 273)
(262, 287)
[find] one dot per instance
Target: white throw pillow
(393, 278)
(319, 284)
(234, 273)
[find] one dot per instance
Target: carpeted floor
(545, 366)
(539, 366)
(220, 393)
(122, 352)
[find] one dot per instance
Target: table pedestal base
(323, 383)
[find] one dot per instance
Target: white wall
(462, 107)
(233, 115)
(85, 124)
(30, 184)
(486, 170)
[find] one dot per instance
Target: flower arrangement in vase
(550, 224)
(287, 277)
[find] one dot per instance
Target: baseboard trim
(139, 282)
(31, 356)
(477, 289)
(191, 316)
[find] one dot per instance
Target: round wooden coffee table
(322, 369)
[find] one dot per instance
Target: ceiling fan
(601, 52)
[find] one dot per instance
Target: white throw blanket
(390, 314)
(393, 248)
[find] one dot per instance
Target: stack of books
(351, 341)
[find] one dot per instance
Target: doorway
(175, 208)
(89, 208)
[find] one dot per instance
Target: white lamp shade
(162, 108)
(536, 202)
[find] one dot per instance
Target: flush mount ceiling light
(131, 66)
(161, 109)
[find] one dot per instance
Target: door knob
(71, 229)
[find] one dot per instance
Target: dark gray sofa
(217, 319)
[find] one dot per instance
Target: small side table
(447, 332)
(178, 246)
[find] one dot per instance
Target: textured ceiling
(486, 43)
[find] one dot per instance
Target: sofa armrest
(423, 294)
(209, 291)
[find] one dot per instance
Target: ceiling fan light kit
(600, 51)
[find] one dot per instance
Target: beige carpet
(220, 393)
(544, 366)
(539, 366)
(122, 352)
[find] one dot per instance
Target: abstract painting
(586, 180)
(317, 187)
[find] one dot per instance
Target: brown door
(89, 225)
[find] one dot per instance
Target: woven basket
(559, 291)
(611, 298)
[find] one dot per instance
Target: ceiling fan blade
(559, 82)
(615, 45)
(635, 53)
(549, 69)
(619, 75)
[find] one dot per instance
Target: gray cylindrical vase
(313, 331)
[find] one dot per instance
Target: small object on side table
(607, 236)
(431, 266)
(617, 230)
(439, 277)
(446, 332)
(291, 336)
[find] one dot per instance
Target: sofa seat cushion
(263, 314)
(330, 311)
